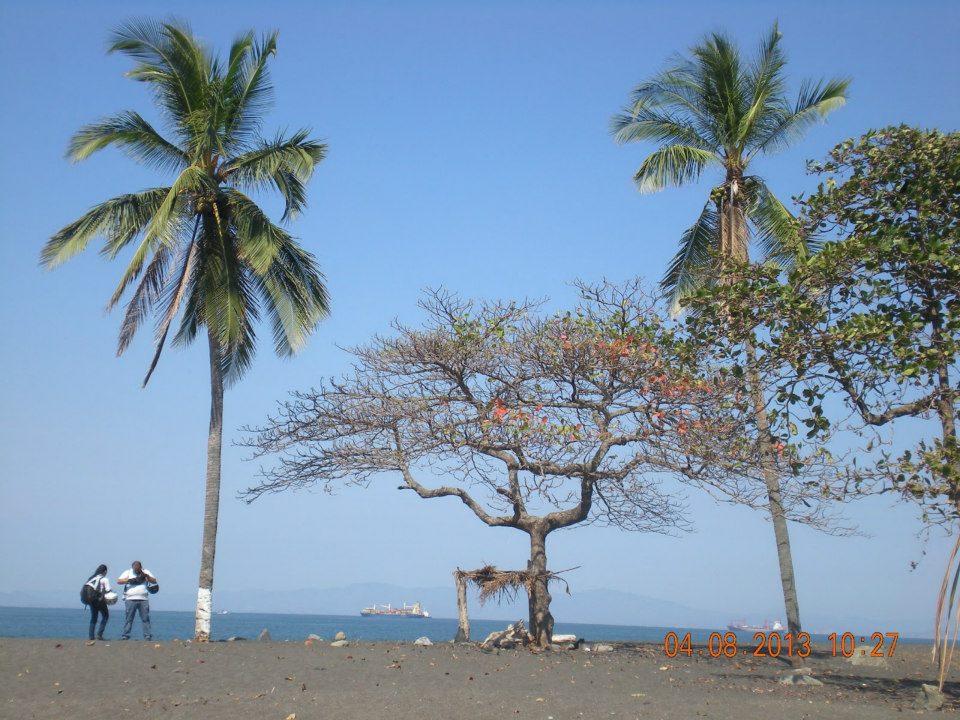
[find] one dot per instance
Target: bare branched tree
(534, 422)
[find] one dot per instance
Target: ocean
(62, 623)
(66, 623)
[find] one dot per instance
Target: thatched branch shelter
(494, 583)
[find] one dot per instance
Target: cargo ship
(411, 611)
(766, 627)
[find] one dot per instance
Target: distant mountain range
(602, 606)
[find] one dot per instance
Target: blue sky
(469, 149)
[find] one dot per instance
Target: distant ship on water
(767, 626)
(412, 611)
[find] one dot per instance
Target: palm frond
(118, 219)
(134, 215)
(821, 98)
(171, 61)
(690, 267)
(677, 91)
(718, 64)
(672, 165)
(175, 292)
(286, 162)
(778, 233)
(287, 280)
(297, 155)
(258, 239)
(295, 297)
(248, 84)
(294, 194)
(133, 135)
(648, 124)
(229, 297)
(191, 182)
(150, 244)
(193, 312)
(765, 84)
(814, 103)
(947, 616)
(235, 310)
(144, 297)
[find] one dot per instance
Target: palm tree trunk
(541, 621)
(733, 222)
(211, 503)
(734, 242)
(771, 478)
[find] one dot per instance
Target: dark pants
(133, 607)
(101, 610)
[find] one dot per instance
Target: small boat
(410, 611)
(767, 626)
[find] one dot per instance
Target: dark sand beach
(253, 679)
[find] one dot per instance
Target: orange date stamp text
(775, 644)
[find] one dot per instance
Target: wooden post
(463, 629)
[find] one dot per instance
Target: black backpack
(90, 595)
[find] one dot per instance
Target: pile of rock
(799, 676)
(929, 698)
(599, 648)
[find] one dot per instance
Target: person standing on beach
(101, 586)
(136, 598)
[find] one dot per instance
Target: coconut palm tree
(204, 254)
(713, 109)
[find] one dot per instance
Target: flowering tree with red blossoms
(534, 422)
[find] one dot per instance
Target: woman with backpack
(100, 586)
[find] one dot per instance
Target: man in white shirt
(136, 598)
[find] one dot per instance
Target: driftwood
(514, 636)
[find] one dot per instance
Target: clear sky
(468, 148)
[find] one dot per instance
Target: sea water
(63, 623)
(66, 623)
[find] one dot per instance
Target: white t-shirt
(135, 592)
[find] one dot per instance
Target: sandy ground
(284, 680)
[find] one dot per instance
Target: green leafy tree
(874, 317)
(889, 335)
(733, 333)
(713, 109)
(203, 251)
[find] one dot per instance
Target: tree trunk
(211, 503)
(463, 619)
(733, 221)
(541, 621)
(771, 478)
(734, 245)
(946, 410)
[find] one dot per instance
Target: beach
(402, 681)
